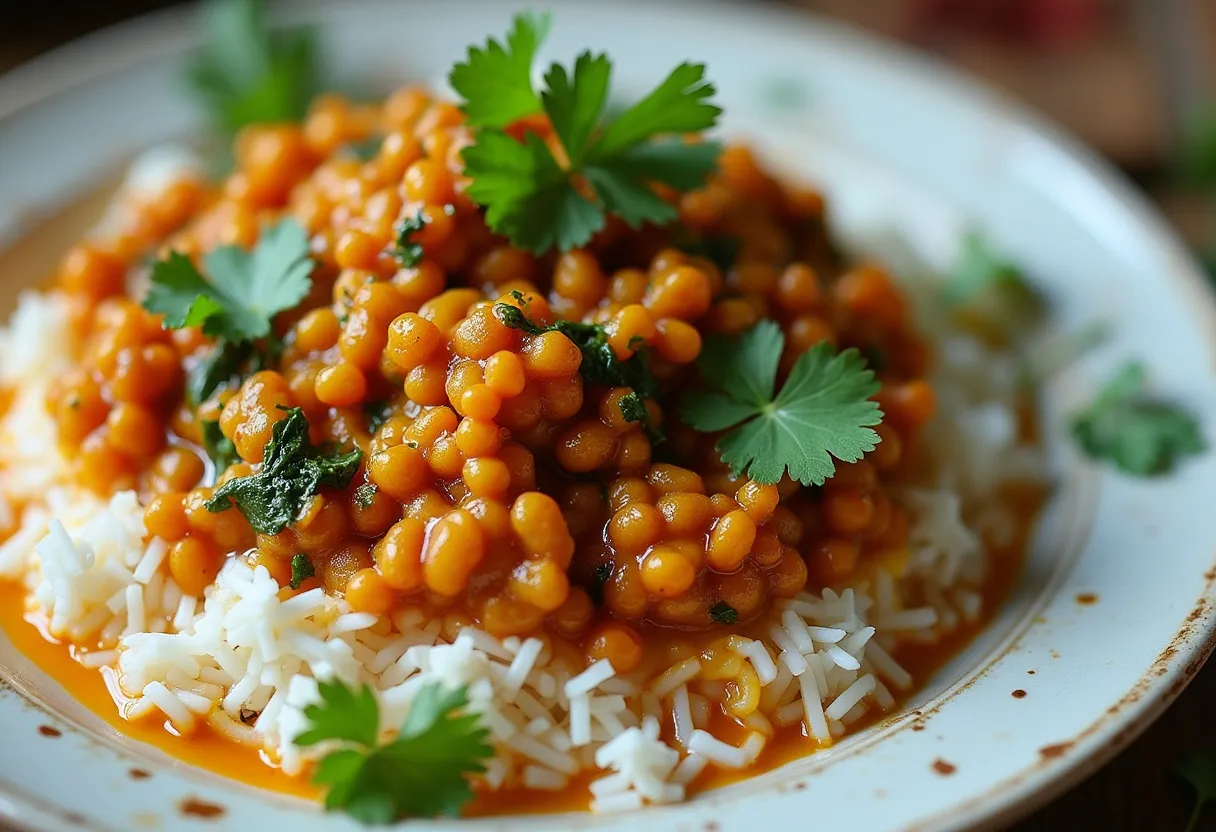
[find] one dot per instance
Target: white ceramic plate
(897, 142)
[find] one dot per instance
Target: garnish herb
(364, 494)
(301, 570)
(724, 613)
(599, 580)
(248, 73)
(541, 200)
(292, 471)
(600, 364)
(992, 287)
(237, 305)
(407, 252)
(246, 290)
(423, 772)
(823, 410)
(1199, 770)
(1140, 435)
(218, 447)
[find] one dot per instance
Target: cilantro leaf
(218, 447)
(423, 772)
(1199, 771)
(528, 197)
(496, 81)
(248, 73)
(575, 103)
(292, 471)
(823, 410)
(680, 104)
(1140, 435)
(724, 613)
(342, 714)
(225, 361)
(541, 203)
(407, 252)
(246, 290)
(301, 570)
(991, 287)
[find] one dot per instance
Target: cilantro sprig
(292, 471)
(247, 73)
(423, 772)
(992, 288)
(541, 201)
(1140, 435)
(236, 302)
(219, 448)
(823, 409)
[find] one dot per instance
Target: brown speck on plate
(1029, 672)
(49, 731)
(1087, 598)
(195, 808)
(1019, 694)
(1051, 752)
(944, 768)
(139, 774)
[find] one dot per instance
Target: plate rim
(170, 31)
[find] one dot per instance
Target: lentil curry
(445, 430)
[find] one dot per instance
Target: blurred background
(1135, 79)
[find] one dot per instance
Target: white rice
(246, 662)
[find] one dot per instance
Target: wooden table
(1138, 791)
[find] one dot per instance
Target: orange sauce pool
(207, 750)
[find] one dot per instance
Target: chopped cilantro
(599, 580)
(530, 196)
(301, 569)
(248, 73)
(600, 364)
(407, 252)
(823, 410)
(423, 772)
(246, 290)
(218, 447)
(724, 613)
(1199, 771)
(364, 494)
(1140, 435)
(292, 471)
(224, 362)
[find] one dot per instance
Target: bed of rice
(246, 663)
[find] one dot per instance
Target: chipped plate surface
(1114, 614)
